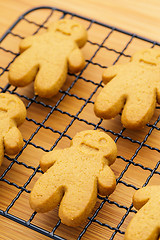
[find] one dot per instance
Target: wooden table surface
(139, 17)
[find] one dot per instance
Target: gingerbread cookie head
(12, 107)
(96, 142)
(74, 175)
(12, 114)
(132, 88)
(47, 58)
(70, 28)
(145, 224)
(147, 57)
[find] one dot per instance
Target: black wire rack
(138, 152)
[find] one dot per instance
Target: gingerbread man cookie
(12, 115)
(145, 225)
(47, 57)
(73, 176)
(133, 87)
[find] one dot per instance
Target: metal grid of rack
(60, 107)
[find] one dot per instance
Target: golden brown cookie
(145, 225)
(73, 176)
(133, 87)
(12, 115)
(47, 57)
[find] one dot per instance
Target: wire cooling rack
(57, 121)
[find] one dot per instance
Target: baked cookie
(47, 57)
(12, 115)
(145, 225)
(133, 87)
(73, 176)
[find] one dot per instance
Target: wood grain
(140, 17)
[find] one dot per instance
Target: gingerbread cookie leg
(47, 192)
(137, 111)
(109, 107)
(78, 202)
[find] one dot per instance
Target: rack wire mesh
(58, 120)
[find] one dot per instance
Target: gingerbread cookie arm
(111, 147)
(106, 181)
(142, 196)
(76, 61)
(27, 42)
(78, 202)
(13, 141)
(49, 159)
(110, 73)
(50, 78)
(22, 71)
